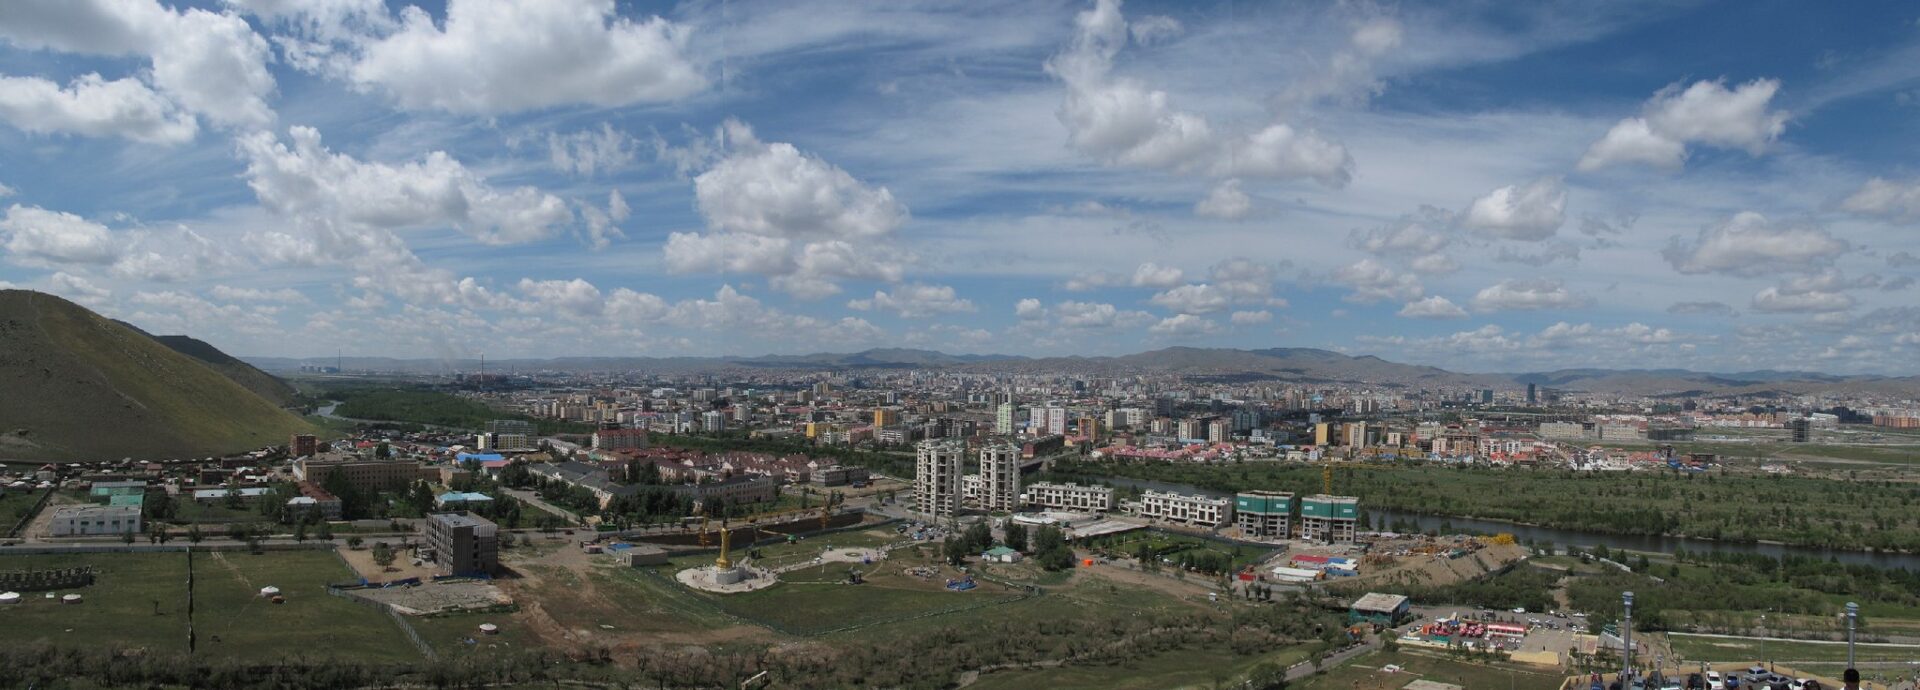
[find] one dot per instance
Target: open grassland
(139, 601)
(231, 619)
(815, 600)
(456, 634)
(1190, 669)
(1364, 674)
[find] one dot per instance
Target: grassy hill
(248, 376)
(80, 386)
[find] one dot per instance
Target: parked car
(1696, 682)
(1714, 682)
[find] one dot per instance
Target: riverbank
(1849, 522)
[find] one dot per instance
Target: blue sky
(1512, 186)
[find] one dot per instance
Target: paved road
(1302, 670)
(534, 499)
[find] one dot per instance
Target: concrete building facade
(1329, 518)
(89, 520)
(1070, 496)
(1264, 513)
(936, 477)
(1000, 476)
(1204, 511)
(463, 543)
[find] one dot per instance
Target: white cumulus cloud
(1748, 244)
(1529, 212)
(1516, 295)
(1434, 307)
(1706, 112)
(503, 56)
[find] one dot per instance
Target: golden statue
(726, 542)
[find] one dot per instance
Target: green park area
(139, 601)
(1367, 673)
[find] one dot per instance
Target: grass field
(14, 506)
(1716, 649)
(810, 600)
(455, 634)
(232, 620)
(1364, 674)
(1186, 669)
(139, 601)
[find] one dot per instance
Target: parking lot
(1546, 632)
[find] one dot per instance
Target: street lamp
(1626, 639)
(1853, 614)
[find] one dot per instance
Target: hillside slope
(80, 386)
(261, 383)
(248, 376)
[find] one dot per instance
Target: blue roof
(479, 457)
(463, 497)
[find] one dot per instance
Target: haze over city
(1717, 186)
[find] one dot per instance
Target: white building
(936, 477)
(713, 420)
(1566, 430)
(1193, 510)
(1003, 419)
(1072, 497)
(999, 476)
(73, 521)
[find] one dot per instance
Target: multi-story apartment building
(620, 439)
(1070, 497)
(1003, 419)
(463, 543)
(1329, 518)
(936, 477)
(1204, 511)
(1000, 476)
(364, 474)
(1263, 513)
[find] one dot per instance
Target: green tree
(1016, 536)
(354, 541)
(382, 555)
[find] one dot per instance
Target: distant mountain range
(77, 386)
(1302, 365)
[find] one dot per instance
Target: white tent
(70, 599)
(489, 628)
(269, 592)
(10, 598)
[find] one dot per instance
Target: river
(1572, 537)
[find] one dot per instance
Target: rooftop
(1375, 601)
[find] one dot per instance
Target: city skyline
(1715, 186)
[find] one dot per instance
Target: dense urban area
(933, 527)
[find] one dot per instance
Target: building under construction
(1264, 513)
(1329, 518)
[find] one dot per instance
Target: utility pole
(1626, 640)
(1853, 614)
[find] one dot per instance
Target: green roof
(998, 551)
(135, 500)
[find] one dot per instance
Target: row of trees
(1831, 513)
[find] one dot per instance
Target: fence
(27, 517)
(42, 549)
(426, 650)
